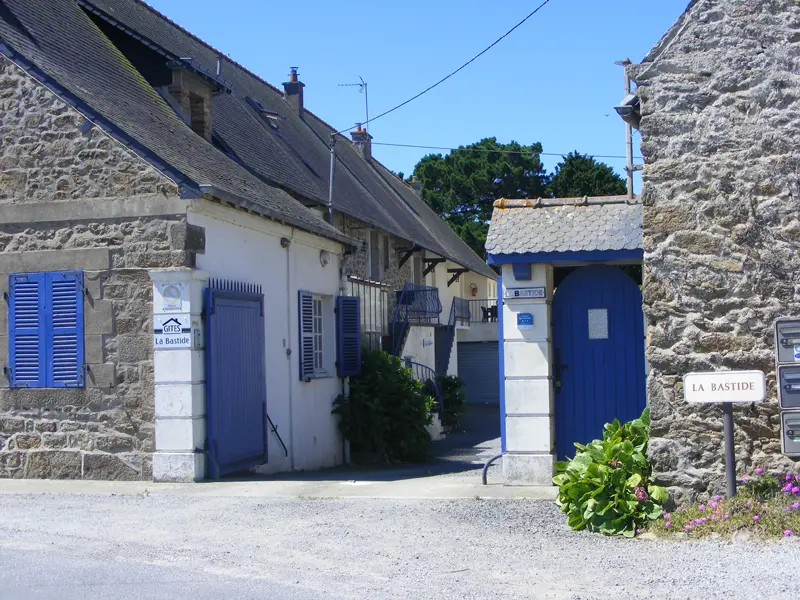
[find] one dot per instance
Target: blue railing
(418, 304)
(427, 376)
(459, 313)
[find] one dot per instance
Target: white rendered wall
(247, 248)
(420, 346)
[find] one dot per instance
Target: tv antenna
(362, 87)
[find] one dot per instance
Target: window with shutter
(46, 329)
(26, 324)
(306, 315)
(348, 335)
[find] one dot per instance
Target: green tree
(580, 175)
(462, 186)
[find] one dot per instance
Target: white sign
(170, 297)
(535, 292)
(725, 386)
(175, 331)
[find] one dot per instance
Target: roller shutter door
(478, 367)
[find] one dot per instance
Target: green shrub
(606, 487)
(387, 411)
(453, 398)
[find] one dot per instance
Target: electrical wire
(446, 77)
(498, 150)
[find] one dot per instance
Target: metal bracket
(407, 252)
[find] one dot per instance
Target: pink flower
(667, 516)
(788, 477)
(726, 517)
(717, 497)
(687, 527)
(713, 517)
(667, 524)
(759, 471)
(796, 505)
(701, 507)
(755, 517)
(713, 504)
(640, 493)
(788, 509)
(787, 532)
(796, 490)
(748, 504)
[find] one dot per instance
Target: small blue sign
(524, 321)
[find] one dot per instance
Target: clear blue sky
(551, 81)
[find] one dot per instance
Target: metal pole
(366, 104)
(730, 459)
(330, 187)
(629, 139)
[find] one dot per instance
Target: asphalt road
(102, 546)
(44, 574)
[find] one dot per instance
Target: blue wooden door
(598, 346)
(236, 385)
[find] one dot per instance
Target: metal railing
(461, 311)
(418, 304)
(483, 311)
(427, 376)
(375, 310)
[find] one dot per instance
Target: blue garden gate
(598, 363)
(236, 386)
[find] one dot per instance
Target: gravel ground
(357, 548)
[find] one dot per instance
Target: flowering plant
(606, 487)
(766, 504)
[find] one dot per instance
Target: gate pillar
(179, 373)
(525, 297)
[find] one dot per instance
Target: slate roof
(69, 51)
(564, 225)
(66, 44)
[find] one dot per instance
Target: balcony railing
(483, 311)
(375, 310)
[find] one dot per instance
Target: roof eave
(218, 193)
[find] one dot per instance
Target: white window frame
(322, 315)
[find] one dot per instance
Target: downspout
(344, 270)
(330, 179)
(286, 243)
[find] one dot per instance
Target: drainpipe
(286, 243)
(344, 269)
(330, 183)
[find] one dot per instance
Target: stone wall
(721, 120)
(79, 200)
(395, 276)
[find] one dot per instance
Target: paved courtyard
(225, 541)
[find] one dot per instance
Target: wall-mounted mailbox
(790, 433)
(789, 386)
(787, 340)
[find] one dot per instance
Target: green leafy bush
(387, 411)
(453, 398)
(606, 487)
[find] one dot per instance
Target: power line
(499, 151)
(446, 77)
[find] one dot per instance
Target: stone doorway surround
(529, 240)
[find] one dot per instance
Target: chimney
(293, 92)
(362, 142)
(193, 97)
(416, 186)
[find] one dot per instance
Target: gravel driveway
(226, 547)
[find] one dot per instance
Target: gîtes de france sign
(724, 386)
(173, 331)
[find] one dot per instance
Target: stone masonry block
(93, 351)
(53, 464)
(32, 261)
(111, 466)
(12, 464)
(98, 317)
(101, 375)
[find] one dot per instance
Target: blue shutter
(65, 329)
(26, 330)
(305, 311)
(348, 336)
